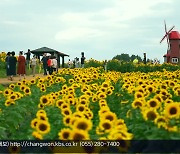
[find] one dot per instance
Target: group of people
(11, 62)
(49, 64)
(76, 63)
(21, 62)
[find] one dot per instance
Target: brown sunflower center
(138, 103)
(109, 117)
(153, 104)
(65, 135)
(173, 110)
(161, 120)
(43, 127)
(82, 126)
(12, 97)
(106, 126)
(78, 137)
(66, 112)
(151, 115)
(68, 120)
(150, 89)
(44, 100)
(81, 108)
(139, 96)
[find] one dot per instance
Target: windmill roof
(47, 50)
(174, 35)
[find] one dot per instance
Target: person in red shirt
(49, 63)
(21, 65)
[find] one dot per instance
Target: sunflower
(105, 84)
(22, 87)
(27, 91)
(64, 106)
(78, 135)
(83, 102)
(138, 95)
(101, 95)
(7, 92)
(158, 97)
(71, 81)
(84, 97)
(43, 89)
(33, 81)
(137, 103)
(42, 116)
(59, 103)
(111, 87)
(44, 100)
(153, 103)
(12, 86)
(19, 83)
(64, 87)
(105, 125)
(41, 106)
(103, 110)
(43, 127)
(80, 108)
(67, 120)
(160, 119)
(9, 102)
(78, 114)
(150, 88)
(177, 92)
(94, 98)
(172, 110)
(168, 101)
(83, 124)
(34, 123)
(66, 111)
(109, 116)
(149, 114)
(37, 135)
(88, 93)
(41, 111)
(13, 96)
(65, 134)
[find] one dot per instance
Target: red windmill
(173, 41)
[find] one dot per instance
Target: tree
(127, 58)
(122, 57)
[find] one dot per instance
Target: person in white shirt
(33, 64)
(54, 64)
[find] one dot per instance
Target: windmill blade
(170, 30)
(165, 26)
(165, 36)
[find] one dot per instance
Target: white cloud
(77, 33)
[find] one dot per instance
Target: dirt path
(5, 81)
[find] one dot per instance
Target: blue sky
(100, 28)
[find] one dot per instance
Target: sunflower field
(92, 104)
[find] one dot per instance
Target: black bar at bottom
(90, 146)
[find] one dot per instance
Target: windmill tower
(173, 41)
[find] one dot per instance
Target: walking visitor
(44, 61)
(21, 65)
(28, 55)
(12, 65)
(82, 59)
(33, 64)
(7, 65)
